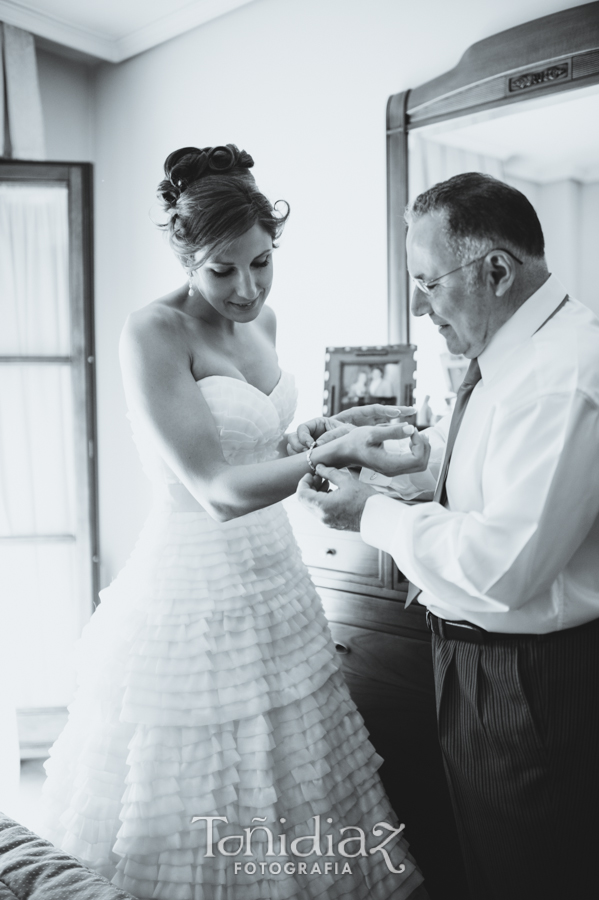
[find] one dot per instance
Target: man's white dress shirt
(517, 548)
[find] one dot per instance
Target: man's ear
(501, 271)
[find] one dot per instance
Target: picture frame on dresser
(357, 376)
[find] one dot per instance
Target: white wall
(302, 85)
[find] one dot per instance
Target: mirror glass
(546, 147)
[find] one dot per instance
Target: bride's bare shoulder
(268, 322)
(156, 328)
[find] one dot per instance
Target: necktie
(472, 378)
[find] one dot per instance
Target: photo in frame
(358, 376)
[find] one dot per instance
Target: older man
(506, 556)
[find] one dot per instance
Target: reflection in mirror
(548, 148)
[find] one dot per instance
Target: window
(48, 494)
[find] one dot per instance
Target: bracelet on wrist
(309, 459)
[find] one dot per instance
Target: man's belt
(474, 634)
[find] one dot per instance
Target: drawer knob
(331, 551)
(341, 648)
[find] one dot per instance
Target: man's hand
(342, 508)
(374, 414)
(366, 447)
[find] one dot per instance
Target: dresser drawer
(341, 552)
(335, 551)
(397, 663)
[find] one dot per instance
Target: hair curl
(481, 213)
(212, 199)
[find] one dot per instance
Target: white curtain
(24, 138)
(34, 269)
(38, 604)
(430, 162)
(36, 461)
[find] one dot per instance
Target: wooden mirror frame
(549, 55)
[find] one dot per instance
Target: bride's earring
(191, 290)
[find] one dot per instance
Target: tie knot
(473, 375)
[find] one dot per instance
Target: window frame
(78, 178)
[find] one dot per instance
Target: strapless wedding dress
(209, 687)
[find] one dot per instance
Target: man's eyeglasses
(425, 286)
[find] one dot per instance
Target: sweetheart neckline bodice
(276, 397)
(247, 383)
(249, 423)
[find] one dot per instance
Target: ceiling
(112, 30)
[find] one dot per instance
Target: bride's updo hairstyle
(212, 199)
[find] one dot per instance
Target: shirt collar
(521, 326)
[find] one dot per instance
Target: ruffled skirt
(212, 730)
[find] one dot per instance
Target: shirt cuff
(380, 520)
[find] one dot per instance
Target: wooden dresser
(386, 658)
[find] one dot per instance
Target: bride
(212, 750)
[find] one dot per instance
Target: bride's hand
(366, 447)
(373, 414)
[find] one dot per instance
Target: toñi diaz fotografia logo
(263, 851)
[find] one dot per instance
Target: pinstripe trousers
(519, 730)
